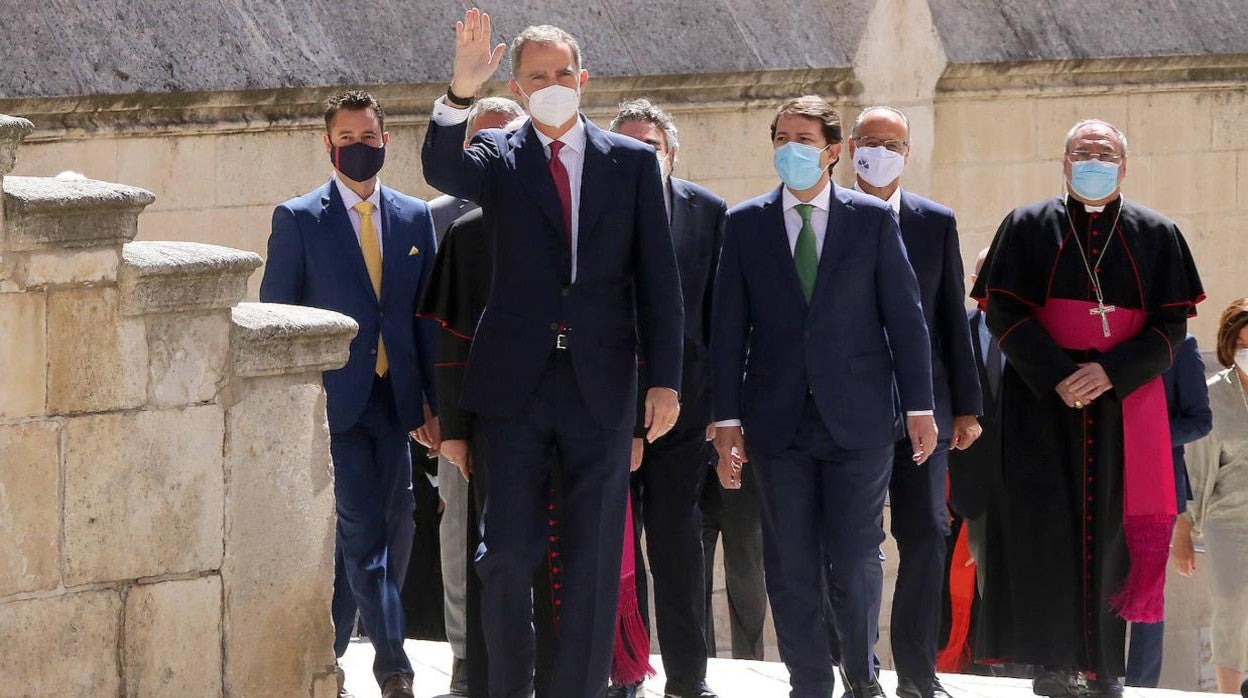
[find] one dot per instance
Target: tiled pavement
(730, 678)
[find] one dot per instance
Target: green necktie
(805, 257)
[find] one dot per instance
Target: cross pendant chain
(1103, 311)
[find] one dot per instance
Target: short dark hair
(542, 35)
(353, 100)
(646, 112)
(1230, 323)
(812, 107)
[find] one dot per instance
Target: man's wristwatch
(458, 101)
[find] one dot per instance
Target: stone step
(12, 130)
(162, 277)
(50, 213)
(273, 339)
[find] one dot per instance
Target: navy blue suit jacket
(626, 277)
(860, 343)
(315, 260)
(1187, 399)
(931, 237)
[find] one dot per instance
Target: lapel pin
(414, 251)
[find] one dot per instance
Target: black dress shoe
(397, 686)
(630, 691)
(1097, 688)
(679, 689)
(866, 689)
(920, 688)
(1056, 683)
(459, 677)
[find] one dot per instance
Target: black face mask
(358, 161)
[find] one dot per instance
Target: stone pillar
(166, 496)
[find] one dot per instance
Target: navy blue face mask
(358, 161)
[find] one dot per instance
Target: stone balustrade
(166, 492)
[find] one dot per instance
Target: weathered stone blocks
(177, 276)
(280, 519)
(187, 357)
(61, 646)
(30, 490)
(144, 494)
(53, 213)
(173, 638)
(97, 361)
(273, 339)
(23, 354)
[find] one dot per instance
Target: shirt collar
(1087, 207)
(574, 138)
(350, 198)
(821, 201)
(893, 201)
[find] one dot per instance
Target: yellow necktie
(371, 247)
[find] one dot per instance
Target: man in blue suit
(361, 249)
(583, 261)
(879, 148)
(817, 307)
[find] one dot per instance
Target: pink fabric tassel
(630, 662)
(1141, 598)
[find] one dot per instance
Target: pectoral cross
(1102, 310)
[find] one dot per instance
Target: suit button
(554, 327)
(373, 352)
(567, 291)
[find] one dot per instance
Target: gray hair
(862, 116)
(1074, 131)
(493, 105)
(645, 111)
(542, 35)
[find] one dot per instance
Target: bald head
(877, 118)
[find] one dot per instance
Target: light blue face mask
(1093, 180)
(798, 165)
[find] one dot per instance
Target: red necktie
(563, 187)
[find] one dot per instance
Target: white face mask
(1241, 359)
(878, 166)
(663, 168)
(554, 105)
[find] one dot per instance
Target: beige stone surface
(279, 542)
(94, 157)
(56, 213)
(1055, 115)
(986, 131)
(61, 646)
(269, 167)
(23, 354)
(187, 357)
(144, 494)
(174, 169)
(275, 339)
(173, 638)
(30, 488)
(1230, 113)
(161, 277)
(1178, 121)
(1194, 182)
(75, 267)
(97, 361)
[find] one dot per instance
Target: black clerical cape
(1061, 570)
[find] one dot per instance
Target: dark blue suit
(1187, 399)
(917, 494)
(315, 260)
(579, 401)
(819, 407)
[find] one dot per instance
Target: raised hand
(475, 60)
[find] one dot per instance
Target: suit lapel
(682, 209)
(337, 226)
(392, 248)
(535, 176)
(777, 246)
(595, 177)
(839, 209)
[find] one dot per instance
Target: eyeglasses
(1085, 155)
(869, 142)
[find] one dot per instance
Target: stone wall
(166, 495)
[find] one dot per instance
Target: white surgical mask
(1241, 359)
(878, 166)
(554, 105)
(663, 167)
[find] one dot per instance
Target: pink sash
(1148, 466)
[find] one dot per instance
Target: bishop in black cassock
(1083, 279)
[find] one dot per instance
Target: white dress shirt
(819, 222)
(572, 156)
(350, 199)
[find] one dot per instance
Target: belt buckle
(561, 341)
